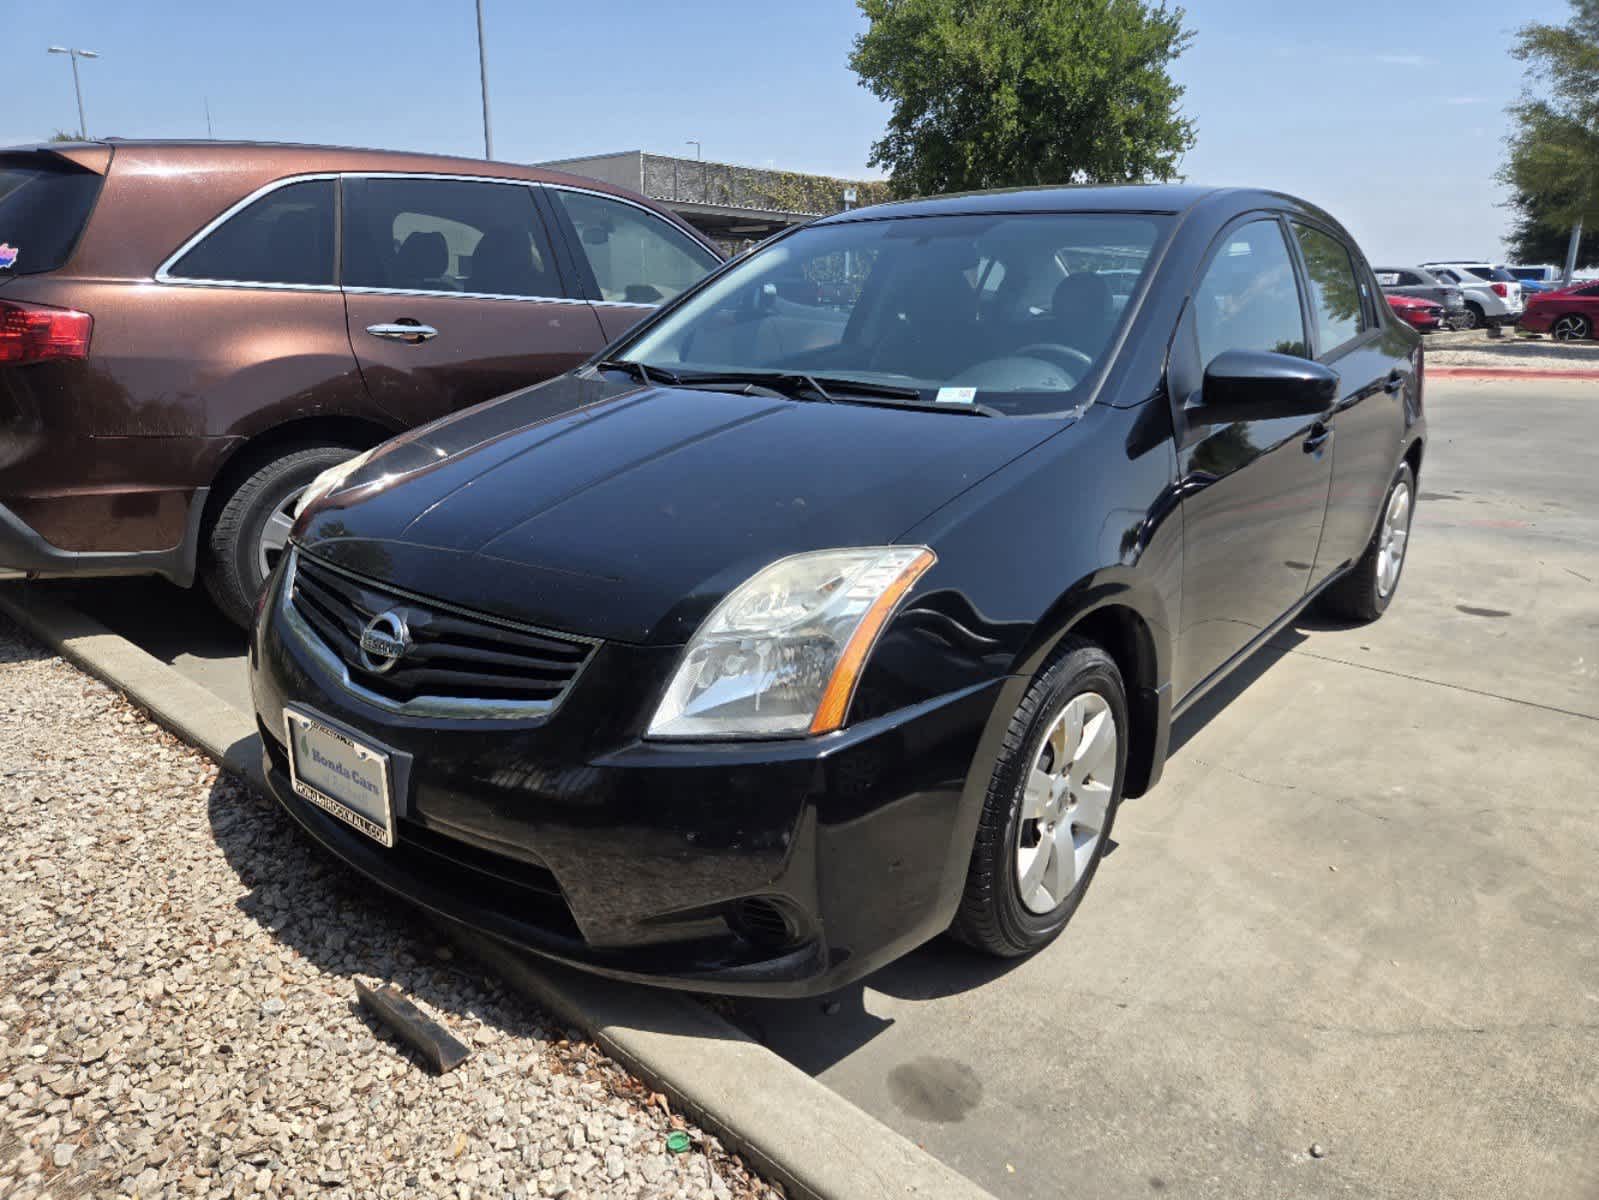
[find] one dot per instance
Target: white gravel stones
(177, 1006)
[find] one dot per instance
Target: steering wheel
(1069, 358)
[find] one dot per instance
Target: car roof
(1171, 198)
(308, 156)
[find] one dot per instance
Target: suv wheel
(1366, 591)
(1473, 317)
(252, 527)
(1051, 802)
(1573, 327)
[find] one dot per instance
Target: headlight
(781, 654)
(330, 480)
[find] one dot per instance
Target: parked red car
(1568, 314)
(1419, 314)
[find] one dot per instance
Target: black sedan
(807, 623)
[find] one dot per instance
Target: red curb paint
(1506, 373)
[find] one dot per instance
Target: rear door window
(285, 237)
(635, 257)
(446, 235)
(1334, 293)
(44, 206)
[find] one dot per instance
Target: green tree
(1005, 93)
(1553, 167)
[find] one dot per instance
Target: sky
(1390, 114)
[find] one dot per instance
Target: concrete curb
(792, 1129)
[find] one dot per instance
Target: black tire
(1473, 317)
(992, 916)
(1358, 596)
(229, 562)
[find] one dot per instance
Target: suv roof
(141, 217)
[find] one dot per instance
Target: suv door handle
(1395, 382)
(401, 331)
(1320, 434)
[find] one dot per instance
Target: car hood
(624, 512)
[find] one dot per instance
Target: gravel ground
(1473, 348)
(177, 1000)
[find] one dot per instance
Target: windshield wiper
(640, 371)
(786, 383)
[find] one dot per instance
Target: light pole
(699, 157)
(75, 54)
(483, 78)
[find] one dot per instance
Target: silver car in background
(1493, 294)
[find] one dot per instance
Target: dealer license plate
(341, 776)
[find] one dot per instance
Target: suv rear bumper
(25, 552)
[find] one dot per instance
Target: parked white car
(1493, 295)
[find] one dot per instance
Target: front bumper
(1536, 321)
(772, 868)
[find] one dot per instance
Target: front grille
(456, 663)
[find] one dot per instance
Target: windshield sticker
(954, 395)
(8, 255)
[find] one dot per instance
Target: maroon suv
(190, 332)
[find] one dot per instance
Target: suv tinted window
(636, 258)
(1247, 299)
(446, 235)
(284, 237)
(43, 208)
(1334, 293)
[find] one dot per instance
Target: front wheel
(1366, 591)
(1051, 802)
(251, 530)
(1574, 327)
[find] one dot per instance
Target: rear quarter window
(43, 209)
(285, 237)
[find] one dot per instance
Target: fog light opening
(764, 922)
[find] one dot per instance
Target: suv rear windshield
(43, 208)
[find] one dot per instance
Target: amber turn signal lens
(830, 713)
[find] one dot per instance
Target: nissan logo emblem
(384, 640)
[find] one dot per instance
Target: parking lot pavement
(1358, 914)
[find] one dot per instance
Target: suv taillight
(31, 333)
(1501, 289)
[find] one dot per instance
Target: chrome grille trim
(334, 665)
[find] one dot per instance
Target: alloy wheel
(1065, 802)
(1391, 541)
(275, 534)
(1570, 329)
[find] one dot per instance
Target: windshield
(1009, 312)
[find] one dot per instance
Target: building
(734, 205)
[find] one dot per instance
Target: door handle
(1320, 434)
(401, 331)
(1395, 382)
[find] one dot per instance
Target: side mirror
(1254, 385)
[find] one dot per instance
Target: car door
(1255, 491)
(629, 259)
(453, 294)
(1372, 358)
